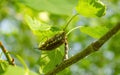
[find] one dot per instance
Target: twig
(66, 25)
(90, 49)
(8, 56)
(66, 49)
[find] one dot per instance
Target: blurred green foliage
(19, 39)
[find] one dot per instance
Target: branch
(8, 56)
(90, 49)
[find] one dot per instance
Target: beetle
(55, 41)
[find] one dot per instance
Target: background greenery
(17, 37)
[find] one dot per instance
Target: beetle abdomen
(53, 42)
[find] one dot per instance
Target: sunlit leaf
(36, 25)
(50, 60)
(41, 30)
(16, 70)
(91, 8)
(53, 6)
(95, 31)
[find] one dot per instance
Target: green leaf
(49, 60)
(94, 31)
(6, 69)
(16, 70)
(36, 25)
(3, 66)
(62, 7)
(65, 72)
(91, 8)
(41, 30)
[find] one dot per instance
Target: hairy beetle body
(53, 42)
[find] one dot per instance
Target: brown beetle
(53, 42)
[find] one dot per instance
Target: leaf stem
(23, 63)
(73, 29)
(68, 22)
